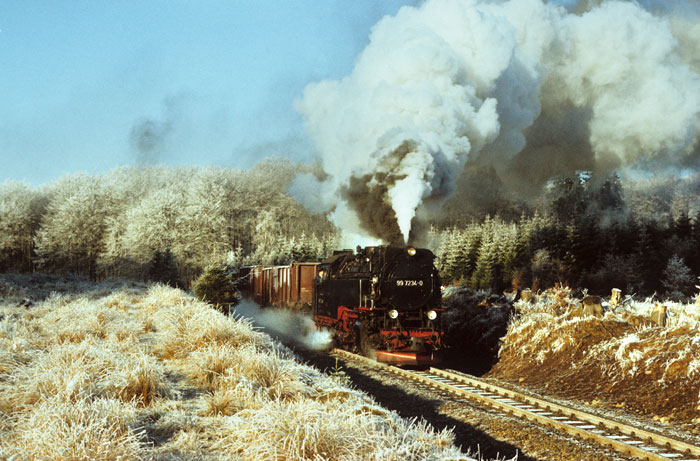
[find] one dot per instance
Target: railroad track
(623, 438)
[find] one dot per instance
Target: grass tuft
(54, 429)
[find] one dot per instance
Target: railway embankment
(627, 359)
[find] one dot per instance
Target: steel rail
(634, 441)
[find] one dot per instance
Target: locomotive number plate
(409, 283)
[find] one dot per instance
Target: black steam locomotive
(383, 301)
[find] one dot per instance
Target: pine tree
(485, 275)
(509, 253)
(216, 286)
(542, 269)
(693, 259)
(449, 255)
(682, 229)
(302, 249)
(677, 278)
(650, 255)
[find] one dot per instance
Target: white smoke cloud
(312, 192)
(291, 326)
(621, 61)
(457, 79)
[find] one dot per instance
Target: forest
(158, 223)
(583, 230)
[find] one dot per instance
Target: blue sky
(213, 81)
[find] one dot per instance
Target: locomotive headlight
(375, 279)
(393, 314)
(432, 315)
(411, 251)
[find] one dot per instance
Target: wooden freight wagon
(286, 286)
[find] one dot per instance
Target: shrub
(216, 286)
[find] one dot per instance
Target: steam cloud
(293, 326)
(530, 87)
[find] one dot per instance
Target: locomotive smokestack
(508, 84)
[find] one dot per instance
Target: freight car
(382, 301)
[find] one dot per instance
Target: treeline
(168, 224)
(586, 232)
(160, 223)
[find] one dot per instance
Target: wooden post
(659, 315)
(615, 297)
(592, 306)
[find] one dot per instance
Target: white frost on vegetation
(668, 353)
(628, 357)
(106, 373)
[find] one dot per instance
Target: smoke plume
(187, 123)
(529, 87)
(147, 138)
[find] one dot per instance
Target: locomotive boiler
(382, 301)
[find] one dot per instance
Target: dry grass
(86, 429)
(70, 372)
(192, 326)
(311, 430)
(667, 354)
(99, 372)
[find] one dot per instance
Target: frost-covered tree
(542, 268)
(509, 251)
(304, 248)
(149, 227)
(202, 225)
(235, 258)
(487, 272)
(446, 253)
(677, 278)
(20, 212)
(122, 222)
(72, 231)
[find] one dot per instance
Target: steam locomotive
(382, 301)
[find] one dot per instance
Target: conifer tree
(216, 286)
(693, 259)
(485, 275)
(451, 255)
(677, 278)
